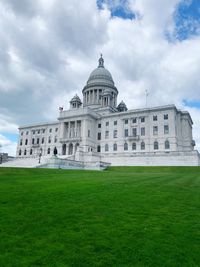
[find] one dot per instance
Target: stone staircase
(24, 162)
(61, 162)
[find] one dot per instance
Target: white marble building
(100, 129)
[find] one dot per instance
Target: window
(20, 152)
(88, 133)
(25, 152)
(26, 142)
(115, 122)
(33, 131)
(115, 134)
(55, 139)
(166, 129)
(165, 116)
(31, 151)
(56, 130)
(98, 148)
(134, 146)
(21, 142)
(33, 141)
(38, 131)
(125, 146)
(142, 145)
(126, 132)
(155, 118)
(50, 130)
(142, 131)
(115, 147)
(155, 145)
(49, 140)
(49, 150)
(107, 123)
(42, 140)
(43, 131)
(99, 125)
(167, 145)
(126, 121)
(142, 119)
(22, 133)
(106, 134)
(99, 136)
(134, 132)
(155, 130)
(27, 133)
(134, 120)
(38, 141)
(106, 147)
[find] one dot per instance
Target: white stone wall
(149, 138)
(102, 120)
(36, 132)
(171, 159)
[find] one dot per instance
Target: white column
(76, 128)
(98, 96)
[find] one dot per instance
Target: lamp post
(40, 154)
(1, 156)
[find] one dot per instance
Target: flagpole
(146, 93)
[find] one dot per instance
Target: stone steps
(24, 162)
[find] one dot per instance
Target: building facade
(99, 128)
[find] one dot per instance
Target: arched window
(125, 146)
(26, 142)
(156, 146)
(167, 144)
(31, 151)
(20, 152)
(42, 140)
(98, 148)
(49, 150)
(70, 149)
(106, 147)
(143, 145)
(115, 147)
(25, 152)
(134, 146)
(64, 149)
(21, 142)
(76, 146)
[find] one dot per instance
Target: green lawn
(125, 216)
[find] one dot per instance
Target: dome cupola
(75, 102)
(122, 107)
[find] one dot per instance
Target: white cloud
(49, 49)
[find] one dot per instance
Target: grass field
(126, 216)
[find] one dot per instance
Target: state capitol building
(97, 128)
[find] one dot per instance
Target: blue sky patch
(192, 104)
(120, 9)
(187, 19)
(11, 137)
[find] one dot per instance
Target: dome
(100, 75)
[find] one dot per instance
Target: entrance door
(64, 149)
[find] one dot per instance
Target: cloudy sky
(49, 47)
